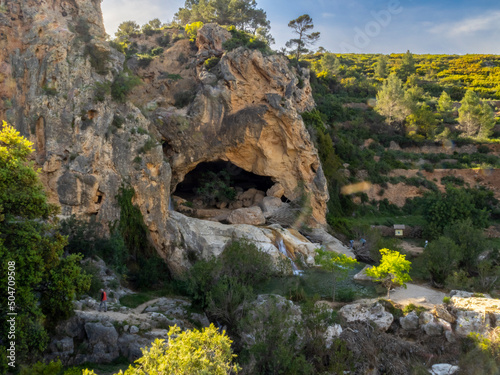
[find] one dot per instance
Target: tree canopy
(475, 117)
(243, 14)
(45, 280)
(302, 26)
(393, 269)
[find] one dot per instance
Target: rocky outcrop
(202, 239)
(56, 72)
(92, 336)
(372, 312)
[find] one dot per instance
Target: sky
(359, 26)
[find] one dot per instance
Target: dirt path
(120, 316)
(418, 295)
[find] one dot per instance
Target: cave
(239, 179)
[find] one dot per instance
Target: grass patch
(121, 363)
(317, 282)
(134, 300)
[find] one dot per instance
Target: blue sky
(362, 26)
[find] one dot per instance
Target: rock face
(56, 70)
(201, 239)
(373, 312)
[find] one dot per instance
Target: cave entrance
(213, 183)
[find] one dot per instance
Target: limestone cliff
(55, 72)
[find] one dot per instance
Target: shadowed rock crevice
(238, 178)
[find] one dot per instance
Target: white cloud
(327, 15)
(469, 26)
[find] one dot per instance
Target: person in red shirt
(104, 298)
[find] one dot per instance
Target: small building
(399, 230)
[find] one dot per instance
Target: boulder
(444, 369)
(409, 322)
(248, 215)
(433, 328)
(257, 199)
(130, 346)
(367, 311)
(277, 191)
(331, 333)
(441, 312)
(134, 329)
(63, 347)
(103, 342)
(471, 321)
(270, 205)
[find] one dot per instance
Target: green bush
(87, 238)
(96, 283)
(156, 51)
(122, 85)
(222, 285)
(101, 90)
(182, 99)
(216, 187)
(211, 62)
(242, 39)
(163, 40)
(144, 59)
(41, 368)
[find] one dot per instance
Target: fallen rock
(441, 312)
(270, 205)
(277, 191)
(433, 328)
(247, 197)
(443, 369)
(373, 312)
(249, 215)
(409, 322)
(331, 333)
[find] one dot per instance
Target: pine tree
(302, 27)
(381, 68)
(391, 101)
(445, 103)
(475, 118)
(407, 67)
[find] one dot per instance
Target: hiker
(426, 243)
(351, 244)
(362, 241)
(104, 298)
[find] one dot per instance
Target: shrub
(122, 85)
(144, 59)
(191, 30)
(211, 62)
(41, 368)
(163, 40)
(242, 39)
(156, 51)
(183, 98)
(96, 283)
(101, 90)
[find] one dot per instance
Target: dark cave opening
(239, 179)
